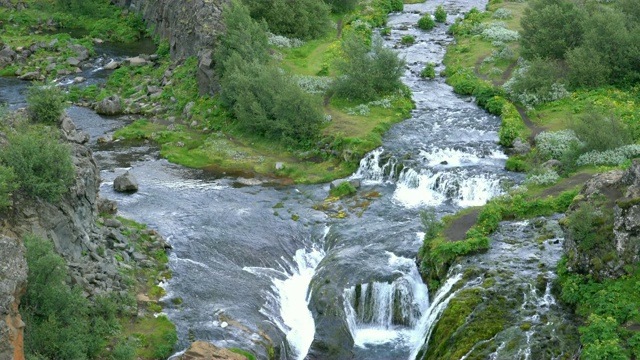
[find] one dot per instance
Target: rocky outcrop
(612, 255)
(191, 27)
(201, 350)
(13, 282)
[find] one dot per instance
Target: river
(244, 256)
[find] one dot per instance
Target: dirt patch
(458, 228)
(568, 184)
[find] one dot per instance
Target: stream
(246, 257)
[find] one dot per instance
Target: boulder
(109, 106)
(73, 61)
(201, 350)
(106, 206)
(519, 147)
(7, 56)
(112, 65)
(125, 183)
(136, 61)
(32, 75)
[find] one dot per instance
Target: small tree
(45, 103)
(367, 73)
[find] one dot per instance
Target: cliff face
(13, 283)
(191, 27)
(618, 252)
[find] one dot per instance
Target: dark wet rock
(7, 56)
(109, 106)
(125, 183)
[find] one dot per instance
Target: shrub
(497, 31)
(429, 72)
(543, 176)
(599, 132)
(270, 104)
(42, 165)
(302, 19)
(536, 82)
(407, 39)
(512, 125)
(550, 28)
(8, 185)
(367, 74)
(426, 22)
(385, 31)
(554, 144)
(343, 189)
(342, 6)
(502, 14)
(440, 14)
(45, 103)
(609, 157)
(517, 164)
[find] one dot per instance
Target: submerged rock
(125, 183)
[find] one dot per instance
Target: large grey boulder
(109, 106)
(7, 56)
(125, 183)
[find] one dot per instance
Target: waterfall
(432, 186)
(382, 312)
(287, 304)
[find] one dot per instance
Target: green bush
(343, 189)
(511, 126)
(429, 72)
(599, 132)
(407, 40)
(45, 103)
(440, 14)
(495, 105)
(270, 104)
(550, 28)
(8, 185)
(243, 36)
(62, 323)
(426, 22)
(42, 165)
(367, 73)
(342, 6)
(516, 164)
(589, 226)
(302, 19)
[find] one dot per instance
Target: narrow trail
(535, 129)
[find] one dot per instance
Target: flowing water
(244, 256)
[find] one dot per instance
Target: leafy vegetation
(367, 73)
(343, 189)
(45, 103)
(438, 253)
(62, 323)
(426, 22)
(42, 165)
(302, 19)
(440, 14)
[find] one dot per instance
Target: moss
(472, 316)
(245, 353)
(343, 189)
